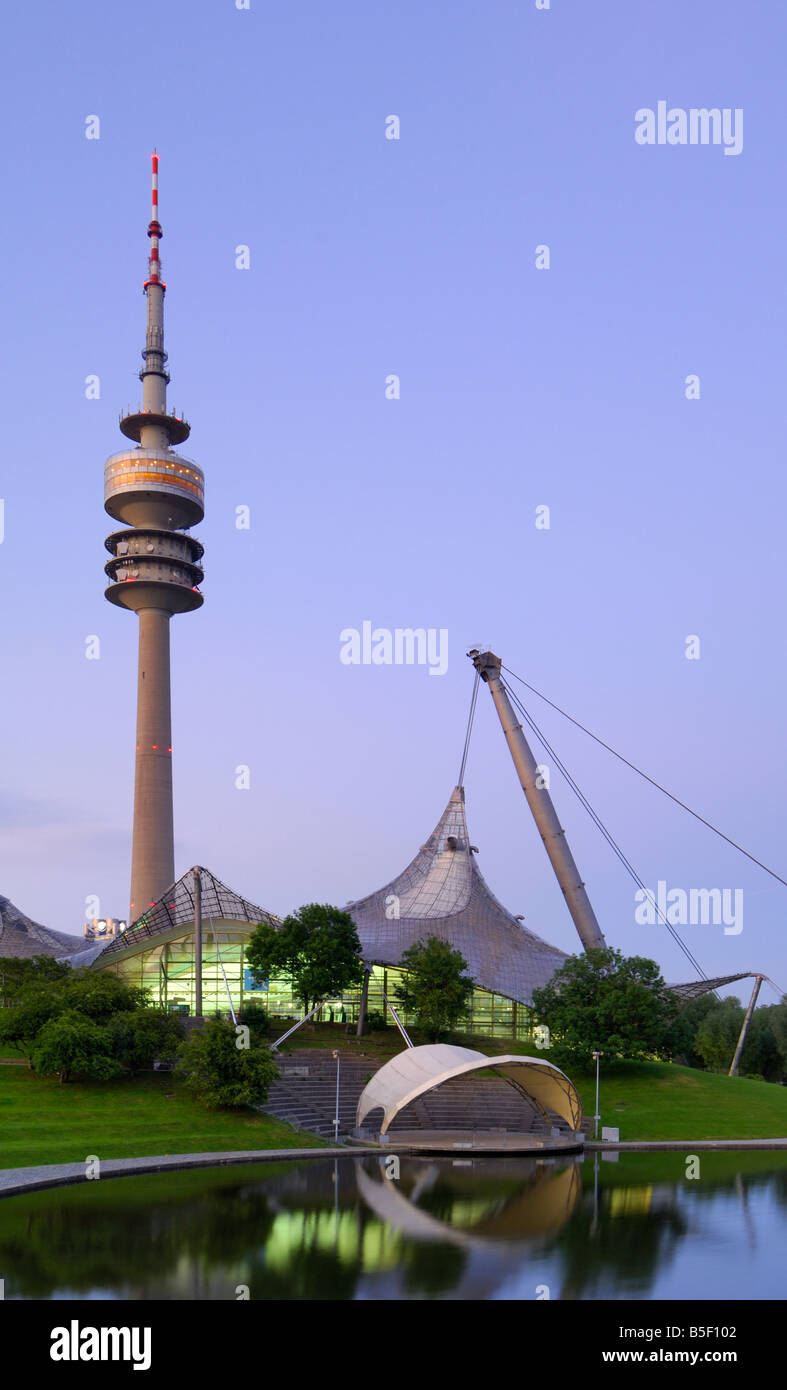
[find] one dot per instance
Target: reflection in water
(456, 1228)
(427, 1206)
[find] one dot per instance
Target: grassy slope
(44, 1122)
(656, 1100)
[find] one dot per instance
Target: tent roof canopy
(442, 893)
(175, 908)
(694, 988)
(419, 1069)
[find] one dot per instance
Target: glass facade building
(442, 893)
(168, 971)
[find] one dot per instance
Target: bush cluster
(77, 1023)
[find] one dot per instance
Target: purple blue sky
(519, 388)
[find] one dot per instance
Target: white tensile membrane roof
(420, 1069)
(175, 909)
(442, 893)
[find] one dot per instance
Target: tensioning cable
(652, 780)
(605, 832)
(470, 719)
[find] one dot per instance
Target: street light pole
(597, 1117)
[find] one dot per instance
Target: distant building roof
(21, 937)
(443, 893)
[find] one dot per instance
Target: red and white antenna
(154, 231)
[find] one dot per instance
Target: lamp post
(597, 1056)
(336, 1117)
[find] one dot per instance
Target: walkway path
(15, 1180)
(684, 1145)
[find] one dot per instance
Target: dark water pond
(494, 1228)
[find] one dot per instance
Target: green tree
(705, 1034)
(18, 973)
(609, 1002)
(71, 1043)
(139, 1036)
(683, 1031)
(316, 948)
(718, 1034)
(220, 1072)
(40, 994)
(99, 995)
(21, 1023)
(762, 1054)
(777, 1014)
(437, 989)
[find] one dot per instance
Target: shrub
(220, 1072)
(71, 1043)
(140, 1036)
(254, 1015)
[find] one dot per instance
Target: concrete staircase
(305, 1093)
(305, 1096)
(470, 1102)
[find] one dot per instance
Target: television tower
(154, 571)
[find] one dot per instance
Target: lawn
(657, 1100)
(44, 1122)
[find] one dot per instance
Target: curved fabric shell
(420, 1069)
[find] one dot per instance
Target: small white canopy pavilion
(421, 1069)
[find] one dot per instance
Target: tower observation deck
(157, 494)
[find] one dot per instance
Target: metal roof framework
(694, 988)
(175, 908)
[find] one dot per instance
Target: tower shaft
(153, 853)
(154, 571)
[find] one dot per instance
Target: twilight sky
(519, 388)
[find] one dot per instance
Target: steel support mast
(540, 802)
(758, 979)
